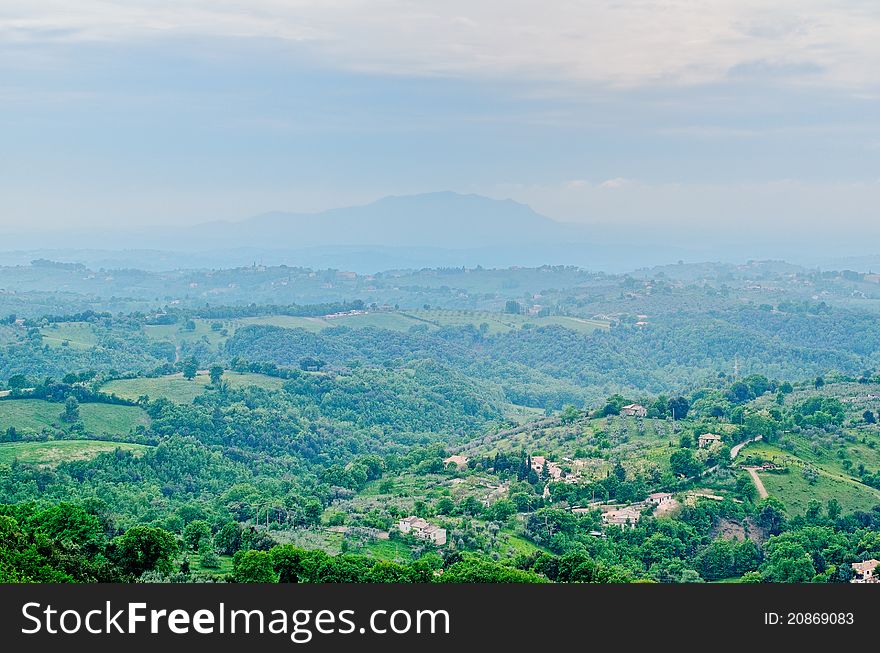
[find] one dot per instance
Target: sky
(717, 117)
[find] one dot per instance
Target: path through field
(762, 491)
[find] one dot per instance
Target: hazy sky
(628, 111)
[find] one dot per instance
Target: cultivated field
(182, 391)
(35, 415)
(58, 451)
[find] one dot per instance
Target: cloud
(617, 182)
(615, 42)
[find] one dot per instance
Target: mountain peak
(436, 219)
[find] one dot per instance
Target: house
(422, 529)
(622, 517)
(459, 461)
(864, 571)
(554, 471)
(708, 439)
(634, 410)
(659, 498)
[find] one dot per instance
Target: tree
(679, 407)
(195, 532)
(771, 515)
(207, 554)
(145, 548)
(819, 382)
(739, 393)
(833, 509)
(190, 368)
(228, 538)
(474, 570)
(71, 410)
(18, 381)
(716, 560)
(684, 463)
(788, 562)
(445, 506)
(869, 417)
(70, 524)
(501, 510)
(311, 364)
(569, 414)
(513, 307)
(253, 567)
(216, 373)
(287, 562)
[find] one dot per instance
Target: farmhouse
(708, 439)
(554, 471)
(634, 410)
(622, 517)
(458, 461)
(659, 498)
(423, 530)
(864, 571)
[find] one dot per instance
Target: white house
(864, 571)
(659, 498)
(708, 439)
(622, 517)
(634, 410)
(422, 529)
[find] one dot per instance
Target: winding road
(735, 449)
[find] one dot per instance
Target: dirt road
(735, 450)
(762, 491)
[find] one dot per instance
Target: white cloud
(617, 182)
(618, 42)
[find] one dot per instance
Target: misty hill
(439, 220)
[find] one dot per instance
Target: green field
(57, 451)
(176, 334)
(182, 391)
(79, 335)
(379, 320)
(502, 322)
(796, 492)
(404, 320)
(224, 561)
(387, 550)
(34, 415)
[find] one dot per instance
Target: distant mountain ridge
(440, 229)
(439, 220)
